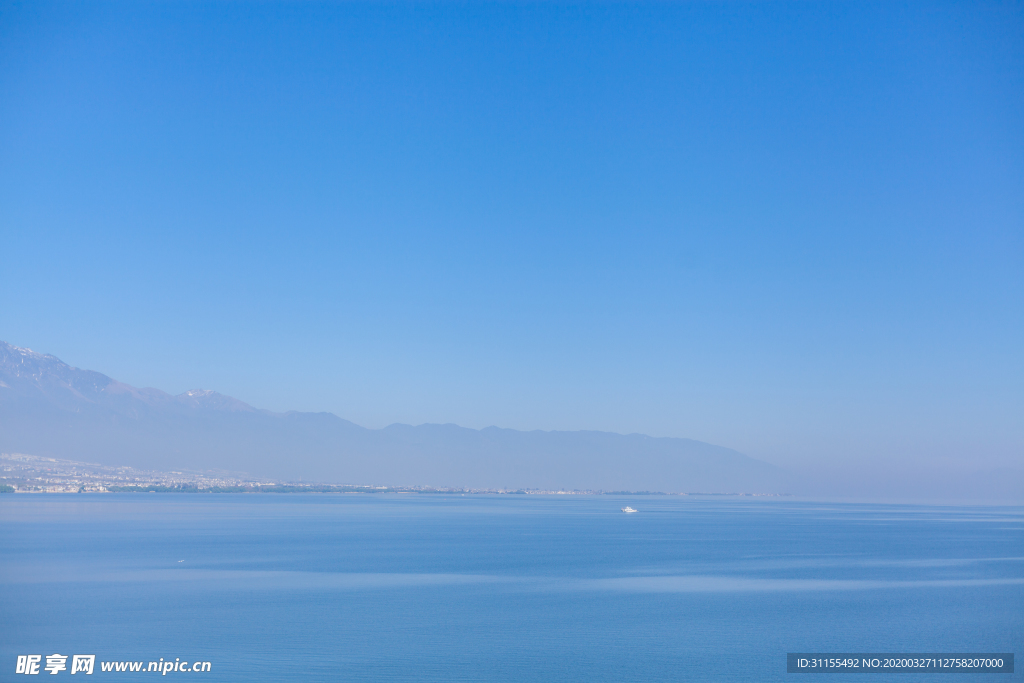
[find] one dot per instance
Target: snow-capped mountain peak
(206, 398)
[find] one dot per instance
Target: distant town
(23, 473)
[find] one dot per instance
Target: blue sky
(792, 229)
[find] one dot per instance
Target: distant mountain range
(49, 408)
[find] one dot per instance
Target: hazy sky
(792, 229)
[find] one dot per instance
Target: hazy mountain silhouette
(51, 409)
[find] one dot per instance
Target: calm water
(501, 588)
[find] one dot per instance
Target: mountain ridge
(50, 408)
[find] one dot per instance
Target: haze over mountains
(51, 409)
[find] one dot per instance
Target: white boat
(628, 509)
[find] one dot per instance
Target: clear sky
(792, 229)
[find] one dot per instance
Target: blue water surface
(417, 587)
